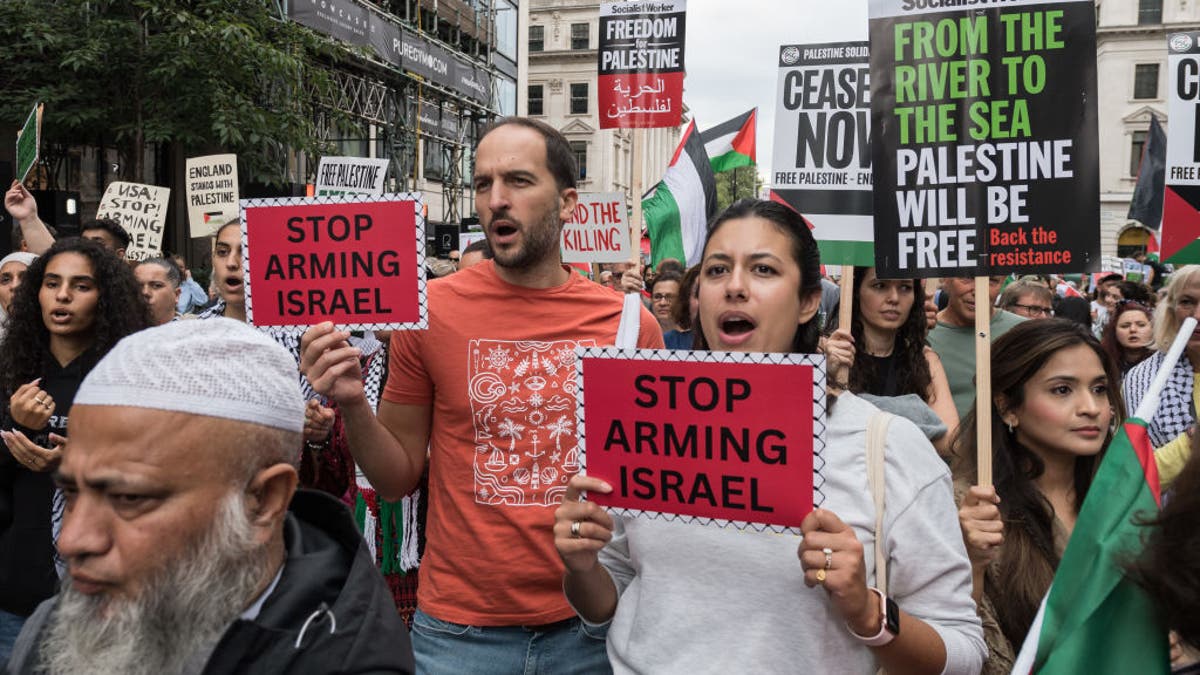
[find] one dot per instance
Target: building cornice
(563, 55)
(1151, 30)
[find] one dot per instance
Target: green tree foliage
(208, 75)
(740, 183)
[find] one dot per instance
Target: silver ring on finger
(575, 529)
(39, 400)
(828, 558)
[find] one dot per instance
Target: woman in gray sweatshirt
(686, 598)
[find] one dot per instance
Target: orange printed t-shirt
(497, 365)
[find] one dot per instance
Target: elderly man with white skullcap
(185, 549)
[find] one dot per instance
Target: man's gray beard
(180, 613)
(540, 241)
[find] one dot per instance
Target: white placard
(212, 193)
(142, 211)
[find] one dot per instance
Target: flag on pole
(1147, 204)
(731, 144)
(677, 210)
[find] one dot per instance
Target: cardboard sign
(1181, 198)
(212, 193)
(355, 260)
(350, 176)
(640, 83)
(985, 155)
(822, 158)
(29, 142)
(598, 232)
(142, 211)
(709, 437)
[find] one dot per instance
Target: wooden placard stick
(846, 299)
(635, 194)
(983, 381)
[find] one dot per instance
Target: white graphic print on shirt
(523, 408)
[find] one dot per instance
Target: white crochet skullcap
(18, 256)
(216, 368)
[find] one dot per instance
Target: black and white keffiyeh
(1176, 412)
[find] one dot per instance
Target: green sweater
(955, 345)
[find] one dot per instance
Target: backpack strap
(877, 428)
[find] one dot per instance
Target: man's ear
(269, 494)
(570, 199)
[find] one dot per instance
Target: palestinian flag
(731, 144)
(676, 211)
(1093, 619)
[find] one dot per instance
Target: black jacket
(328, 580)
(27, 575)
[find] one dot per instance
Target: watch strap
(885, 635)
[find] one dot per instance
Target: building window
(579, 36)
(579, 99)
(435, 160)
(1135, 152)
(579, 149)
(1145, 80)
(1149, 11)
(535, 99)
(506, 29)
(505, 99)
(537, 38)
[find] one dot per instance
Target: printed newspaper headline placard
(640, 82)
(985, 158)
(212, 193)
(29, 142)
(1180, 243)
(822, 160)
(729, 440)
(598, 232)
(142, 211)
(355, 260)
(350, 176)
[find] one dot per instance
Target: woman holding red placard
(662, 584)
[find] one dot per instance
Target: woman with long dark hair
(890, 356)
(1128, 337)
(1055, 405)
(662, 583)
(74, 304)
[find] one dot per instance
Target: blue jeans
(568, 647)
(10, 628)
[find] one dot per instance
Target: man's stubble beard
(181, 613)
(539, 242)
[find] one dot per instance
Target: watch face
(892, 617)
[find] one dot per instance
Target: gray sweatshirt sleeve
(929, 573)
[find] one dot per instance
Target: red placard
(640, 100)
(354, 260)
(721, 438)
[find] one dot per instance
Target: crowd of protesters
(198, 496)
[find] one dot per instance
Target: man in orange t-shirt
(489, 388)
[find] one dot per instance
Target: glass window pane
(535, 99)
(1135, 152)
(579, 99)
(1149, 11)
(506, 29)
(537, 38)
(1145, 80)
(579, 36)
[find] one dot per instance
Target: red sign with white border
(355, 260)
(716, 438)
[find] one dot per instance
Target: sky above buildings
(732, 54)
